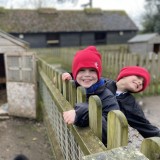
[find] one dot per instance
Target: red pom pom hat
(87, 58)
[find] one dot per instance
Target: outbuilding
(9, 43)
(49, 27)
(145, 44)
(17, 75)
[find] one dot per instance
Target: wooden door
(21, 84)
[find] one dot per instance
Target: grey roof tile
(142, 37)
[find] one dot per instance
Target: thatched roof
(52, 20)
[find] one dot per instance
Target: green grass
(49, 58)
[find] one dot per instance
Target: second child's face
(86, 77)
(133, 83)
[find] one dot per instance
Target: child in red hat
(137, 77)
(131, 79)
(87, 70)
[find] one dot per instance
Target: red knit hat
(135, 70)
(87, 58)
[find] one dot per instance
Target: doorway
(3, 94)
(156, 48)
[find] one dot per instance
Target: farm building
(50, 27)
(17, 75)
(145, 44)
(8, 43)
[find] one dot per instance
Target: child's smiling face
(133, 83)
(86, 77)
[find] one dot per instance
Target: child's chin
(86, 86)
(134, 91)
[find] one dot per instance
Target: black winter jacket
(109, 103)
(133, 112)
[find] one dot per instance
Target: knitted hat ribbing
(135, 70)
(87, 58)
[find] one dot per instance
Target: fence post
(66, 89)
(150, 147)
(117, 130)
(81, 94)
(72, 92)
(56, 78)
(60, 84)
(95, 115)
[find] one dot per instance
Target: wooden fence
(113, 59)
(74, 143)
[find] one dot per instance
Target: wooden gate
(21, 84)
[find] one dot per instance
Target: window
(52, 39)
(100, 37)
(20, 68)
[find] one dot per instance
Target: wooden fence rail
(76, 143)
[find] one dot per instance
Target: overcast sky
(134, 8)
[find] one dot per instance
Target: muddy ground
(19, 135)
(23, 136)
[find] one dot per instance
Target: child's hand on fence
(69, 116)
(66, 76)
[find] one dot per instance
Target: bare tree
(64, 1)
(87, 4)
(74, 2)
(45, 3)
(30, 3)
(39, 3)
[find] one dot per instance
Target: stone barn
(145, 44)
(17, 76)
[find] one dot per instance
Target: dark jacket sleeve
(82, 120)
(109, 102)
(136, 117)
(82, 117)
